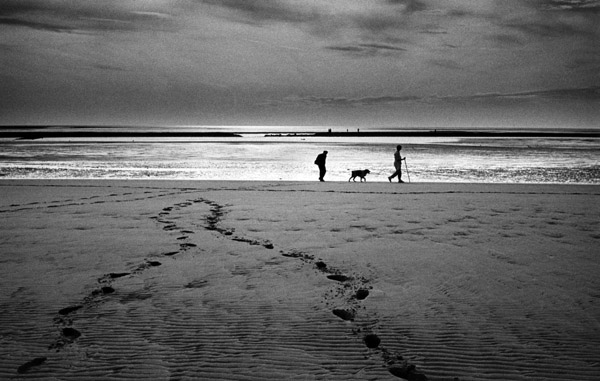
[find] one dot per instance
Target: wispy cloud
(373, 49)
(365, 28)
(362, 21)
(52, 27)
(553, 18)
(68, 16)
(591, 6)
(264, 11)
(324, 18)
(591, 93)
(587, 93)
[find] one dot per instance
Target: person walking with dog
(320, 161)
(397, 164)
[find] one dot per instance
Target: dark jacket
(320, 161)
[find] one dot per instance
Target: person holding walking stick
(398, 165)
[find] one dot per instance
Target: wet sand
(298, 280)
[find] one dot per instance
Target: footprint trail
(344, 299)
(346, 295)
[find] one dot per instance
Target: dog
(360, 173)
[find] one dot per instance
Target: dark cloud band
(584, 94)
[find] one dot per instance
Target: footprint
(70, 333)
(344, 314)
(196, 284)
(30, 364)
(298, 254)
(407, 372)
(68, 336)
(338, 277)
(68, 310)
(362, 294)
(117, 275)
(107, 277)
(372, 341)
(103, 291)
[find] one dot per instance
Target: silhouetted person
(398, 165)
(320, 161)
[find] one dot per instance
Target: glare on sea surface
(290, 158)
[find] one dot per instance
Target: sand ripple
(212, 301)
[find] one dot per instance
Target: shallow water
(256, 157)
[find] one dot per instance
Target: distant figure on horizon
(398, 165)
(320, 161)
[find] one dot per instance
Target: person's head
(398, 147)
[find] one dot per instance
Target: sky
(363, 63)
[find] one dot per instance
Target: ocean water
(290, 158)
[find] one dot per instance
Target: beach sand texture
(297, 280)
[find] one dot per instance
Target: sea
(288, 154)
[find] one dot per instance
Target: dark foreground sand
(330, 281)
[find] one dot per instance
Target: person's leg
(393, 175)
(397, 173)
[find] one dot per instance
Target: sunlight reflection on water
(255, 157)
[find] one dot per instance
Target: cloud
(354, 28)
(552, 27)
(35, 25)
(315, 101)
(349, 26)
(83, 15)
(534, 18)
(579, 94)
(591, 93)
(371, 49)
(262, 11)
(368, 20)
(591, 6)
(552, 18)
(322, 18)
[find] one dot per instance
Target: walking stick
(407, 174)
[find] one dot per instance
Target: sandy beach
(176, 280)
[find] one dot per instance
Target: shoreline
(40, 132)
(343, 186)
(30, 135)
(451, 133)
